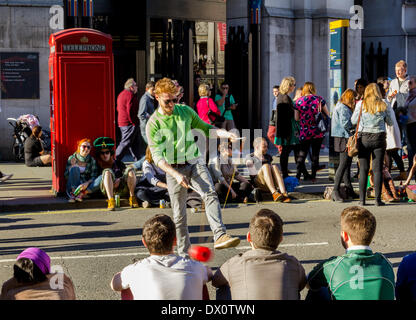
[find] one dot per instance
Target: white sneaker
(146, 204)
(5, 177)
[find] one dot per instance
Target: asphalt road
(92, 245)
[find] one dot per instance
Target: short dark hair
(359, 223)
(361, 82)
(150, 84)
(159, 234)
(224, 82)
(276, 87)
(266, 230)
(382, 79)
(25, 271)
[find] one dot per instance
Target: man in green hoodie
(171, 132)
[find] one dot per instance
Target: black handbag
(215, 119)
(322, 121)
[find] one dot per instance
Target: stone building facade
(25, 27)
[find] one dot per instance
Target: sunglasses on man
(85, 146)
(169, 101)
(105, 152)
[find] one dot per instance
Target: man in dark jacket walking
(146, 107)
(127, 108)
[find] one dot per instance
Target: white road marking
(292, 245)
(90, 256)
(146, 253)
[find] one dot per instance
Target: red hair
(81, 142)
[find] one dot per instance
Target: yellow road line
(53, 212)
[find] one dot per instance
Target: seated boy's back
(165, 277)
(262, 275)
(359, 274)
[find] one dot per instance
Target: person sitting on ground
(5, 177)
(35, 155)
(33, 280)
(152, 187)
(388, 189)
(81, 170)
(163, 275)
(115, 177)
(222, 171)
(262, 273)
(359, 274)
(406, 279)
(265, 175)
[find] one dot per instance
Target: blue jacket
(406, 279)
(371, 123)
(341, 121)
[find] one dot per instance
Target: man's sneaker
(146, 204)
(277, 196)
(4, 177)
(226, 241)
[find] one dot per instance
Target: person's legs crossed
(74, 180)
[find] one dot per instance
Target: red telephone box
(81, 79)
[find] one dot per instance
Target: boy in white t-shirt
(163, 275)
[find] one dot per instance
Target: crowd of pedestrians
(383, 117)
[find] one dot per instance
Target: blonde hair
(203, 90)
(308, 88)
(373, 101)
(129, 83)
(166, 85)
(348, 98)
(401, 63)
(285, 85)
(148, 155)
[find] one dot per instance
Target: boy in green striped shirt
(359, 274)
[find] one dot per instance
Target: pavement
(31, 189)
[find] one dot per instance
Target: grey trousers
(199, 177)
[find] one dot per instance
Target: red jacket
(127, 108)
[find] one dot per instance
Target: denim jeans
(75, 179)
(199, 177)
(138, 165)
